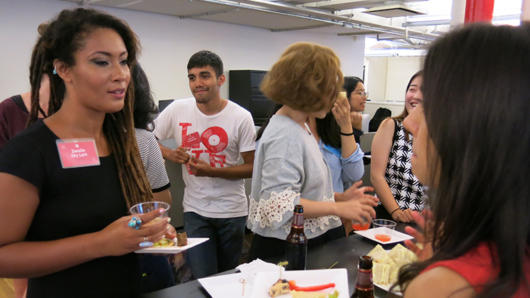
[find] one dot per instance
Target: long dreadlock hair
(60, 39)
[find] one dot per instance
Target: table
(340, 253)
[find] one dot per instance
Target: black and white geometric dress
(405, 187)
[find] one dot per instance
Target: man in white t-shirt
(213, 135)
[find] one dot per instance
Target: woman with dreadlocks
(67, 181)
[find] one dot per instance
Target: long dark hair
(350, 83)
(60, 39)
(329, 130)
(477, 105)
(405, 113)
(145, 108)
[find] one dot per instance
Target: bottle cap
(299, 209)
(365, 262)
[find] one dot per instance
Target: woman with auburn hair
(67, 181)
(397, 188)
(288, 167)
(471, 145)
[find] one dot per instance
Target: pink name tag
(78, 153)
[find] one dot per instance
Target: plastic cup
(147, 207)
(377, 223)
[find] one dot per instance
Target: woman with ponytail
(68, 180)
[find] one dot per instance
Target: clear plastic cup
(377, 223)
(147, 207)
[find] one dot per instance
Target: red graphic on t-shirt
(217, 159)
(189, 140)
(214, 138)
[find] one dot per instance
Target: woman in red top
(471, 145)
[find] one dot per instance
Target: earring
(54, 71)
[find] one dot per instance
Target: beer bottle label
(298, 220)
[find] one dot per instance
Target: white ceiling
(276, 15)
(341, 17)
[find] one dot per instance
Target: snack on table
(164, 242)
(296, 294)
(280, 287)
(386, 264)
(382, 237)
(402, 255)
(283, 286)
(293, 286)
(182, 239)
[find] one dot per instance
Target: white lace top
(288, 165)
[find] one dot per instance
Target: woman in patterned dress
(398, 190)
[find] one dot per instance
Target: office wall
(387, 77)
(167, 44)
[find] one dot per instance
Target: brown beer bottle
(296, 248)
(365, 286)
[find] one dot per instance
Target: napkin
(237, 284)
(249, 270)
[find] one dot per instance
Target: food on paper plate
(386, 264)
(280, 287)
(182, 239)
(283, 287)
(382, 237)
(164, 242)
(294, 287)
(296, 294)
(402, 255)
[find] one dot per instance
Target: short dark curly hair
(307, 77)
(206, 58)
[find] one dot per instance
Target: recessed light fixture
(391, 11)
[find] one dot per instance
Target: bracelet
(346, 134)
(394, 211)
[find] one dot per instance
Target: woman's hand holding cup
(119, 238)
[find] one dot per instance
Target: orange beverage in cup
(360, 226)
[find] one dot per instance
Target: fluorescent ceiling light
(391, 11)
